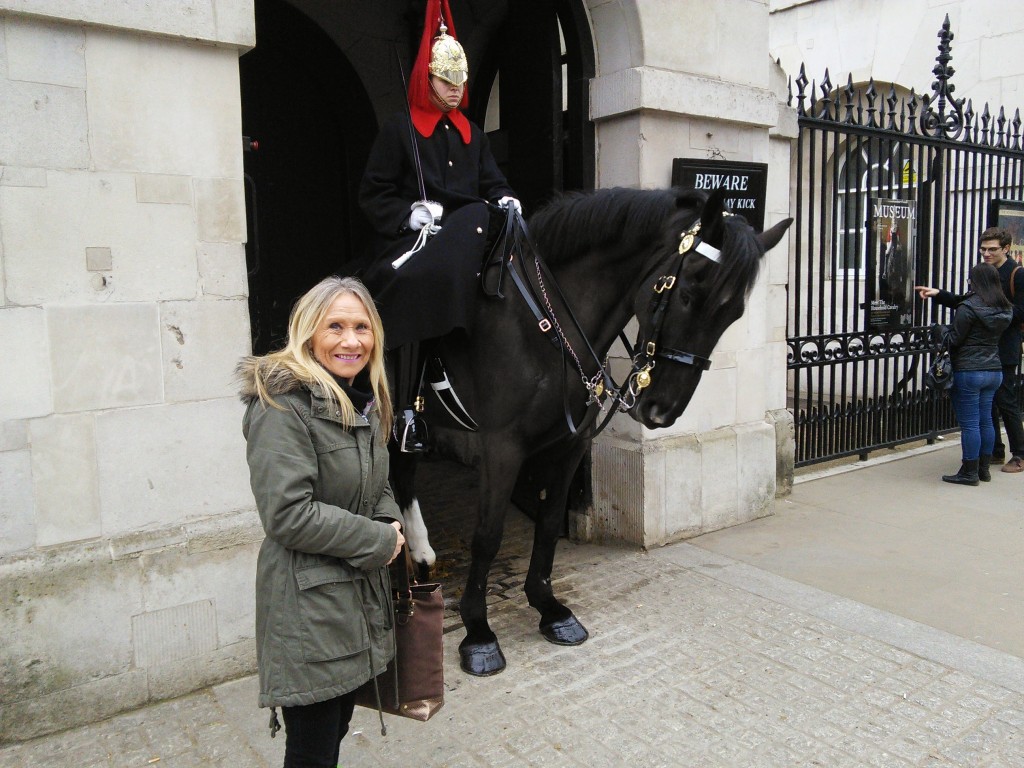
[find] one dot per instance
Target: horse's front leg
(480, 652)
(557, 622)
(403, 484)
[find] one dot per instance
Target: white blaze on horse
(675, 260)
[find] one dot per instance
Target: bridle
(646, 351)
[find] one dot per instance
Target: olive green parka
(323, 610)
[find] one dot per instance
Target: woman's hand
(926, 292)
(401, 541)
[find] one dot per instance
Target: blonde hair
(297, 355)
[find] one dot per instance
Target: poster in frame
(1009, 215)
(891, 291)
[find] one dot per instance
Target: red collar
(426, 118)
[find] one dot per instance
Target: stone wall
(701, 89)
(127, 540)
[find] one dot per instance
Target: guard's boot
(411, 432)
(968, 474)
(983, 468)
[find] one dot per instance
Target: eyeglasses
(994, 249)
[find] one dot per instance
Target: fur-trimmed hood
(277, 378)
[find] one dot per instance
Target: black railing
(856, 384)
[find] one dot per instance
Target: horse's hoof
(565, 632)
(482, 659)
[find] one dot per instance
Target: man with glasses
(995, 250)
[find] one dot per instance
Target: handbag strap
(402, 586)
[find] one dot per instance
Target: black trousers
(313, 733)
(1005, 405)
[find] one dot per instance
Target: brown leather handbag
(413, 684)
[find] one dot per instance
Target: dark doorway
(299, 94)
(322, 77)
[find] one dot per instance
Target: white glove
(420, 218)
(507, 202)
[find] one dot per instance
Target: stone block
(616, 35)
(751, 385)
(98, 260)
(220, 21)
(202, 342)
(43, 125)
(17, 507)
(781, 420)
(682, 93)
(158, 188)
(44, 52)
(169, 635)
(67, 621)
(713, 404)
(222, 269)
(72, 707)
(64, 478)
(224, 578)
(719, 478)
(227, 663)
(617, 472)
(13, 434)
(706, 47)
(683, 506)
(25, 387)
(168, 464)
(152, 246)
(620, 168)
(160, 84)
(755, 452)
(220, 210)
(104, 356)
(14, 176)
(235, 21)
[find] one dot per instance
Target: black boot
(983, 464)
(968, 474)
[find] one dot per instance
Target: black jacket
(454, 174)
(437, 289)
(1009, 342)
(973, 338)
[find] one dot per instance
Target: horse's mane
(577, 222)
(742, 255)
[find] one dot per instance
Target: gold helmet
(447, 59)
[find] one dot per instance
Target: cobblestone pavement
(694, 659)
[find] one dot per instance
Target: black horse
(675, 260)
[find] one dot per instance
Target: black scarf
(360, 391)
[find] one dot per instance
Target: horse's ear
(713, 207)
(770, 237)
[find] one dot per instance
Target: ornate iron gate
(856, 384)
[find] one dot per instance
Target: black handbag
(413, 684)
(940, 373)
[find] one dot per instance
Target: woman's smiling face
(343, 342)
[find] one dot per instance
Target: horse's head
(697, 290)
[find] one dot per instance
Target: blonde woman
(316, 426)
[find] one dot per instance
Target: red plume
(425, 114)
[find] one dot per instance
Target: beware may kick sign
(745, 183)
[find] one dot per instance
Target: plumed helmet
(447, 59)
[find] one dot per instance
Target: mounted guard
(429, 190)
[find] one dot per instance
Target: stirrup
(411, 433)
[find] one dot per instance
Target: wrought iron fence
(855, 377)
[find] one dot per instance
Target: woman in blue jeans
(973, 343)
